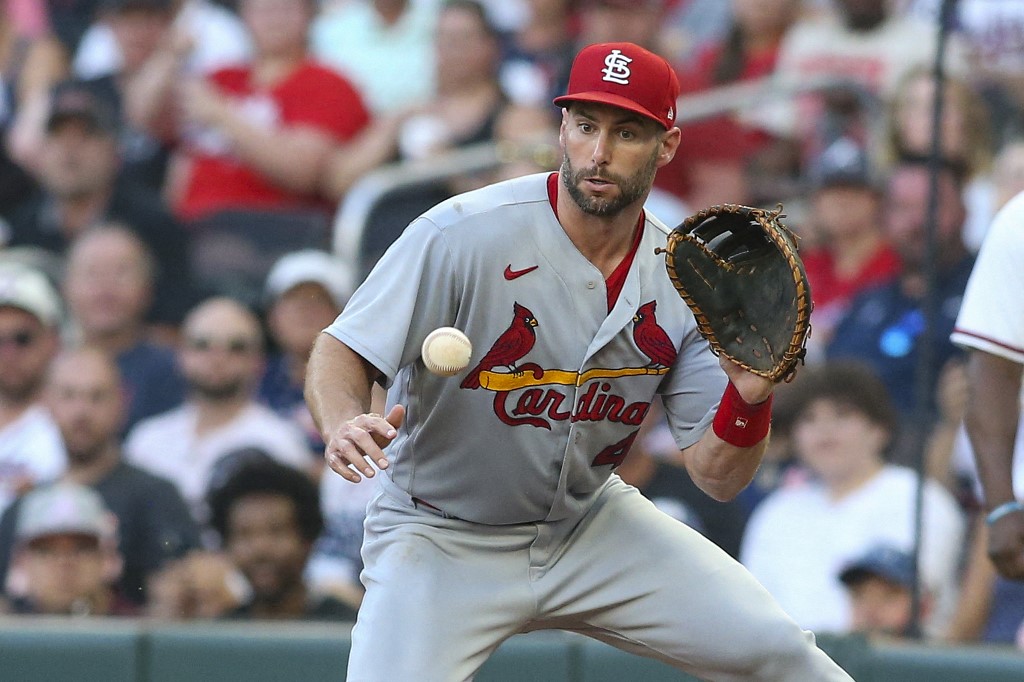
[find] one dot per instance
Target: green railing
(105, 650)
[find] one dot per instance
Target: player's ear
(669, 145)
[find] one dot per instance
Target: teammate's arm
(338, 392)
(719, 468)
(993, 414)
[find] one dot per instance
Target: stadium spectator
(866, 48)
(304, 292)
(991, 608)
(610, 21)
(84, 394)
(851, 252)
(67, 551)
(463, 111)
(468, 98)
(256, 136)
(204, 35)
(203, 584)
(136, 27)
(538, 54)
(82, 186)
(29, 67)
(221, 359)
(800, 537)
(385, 46)
(724, 160)
(109, 286)
(880, 584)
(993, 31)
(965, 140)
(884, 323)
(31, 450)
(268, 517)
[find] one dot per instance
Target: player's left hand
(752, 387)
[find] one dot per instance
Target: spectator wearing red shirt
(845, 219)
(716, 152)
(257, 136)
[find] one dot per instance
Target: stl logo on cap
(624, 75)
(616, 68)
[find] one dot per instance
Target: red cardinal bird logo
(511, 346)
(652, 339)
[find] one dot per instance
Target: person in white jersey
(498, 511)
(991, 326)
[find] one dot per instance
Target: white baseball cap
(311, 265)
(28, 289)
(63, 508)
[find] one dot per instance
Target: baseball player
(991, 325)
(498, 511)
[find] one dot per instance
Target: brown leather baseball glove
(738, 270)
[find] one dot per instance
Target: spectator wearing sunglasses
(221, 359)
(31, 450)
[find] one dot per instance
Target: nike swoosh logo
(511, 274)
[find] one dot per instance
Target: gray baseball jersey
(557, 386)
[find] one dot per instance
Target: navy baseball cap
(624, 75)
(883, 561)
(79, 100)
(843, 163)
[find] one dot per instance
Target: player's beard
(630, 188)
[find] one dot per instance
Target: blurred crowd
(170, 177)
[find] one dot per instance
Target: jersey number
(616, 452)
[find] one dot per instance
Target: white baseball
(446, 351)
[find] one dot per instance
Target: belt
(440, 512)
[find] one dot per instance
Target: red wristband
(739, 423)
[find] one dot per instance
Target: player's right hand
(359, 442)
(1006, 545)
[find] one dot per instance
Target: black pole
(924, 373)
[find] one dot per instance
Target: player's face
(610, 157)
(838, 442)
(84, 397)
(26, 349)
(266, 544)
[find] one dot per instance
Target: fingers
(358, 444)
(396, 416)
(752, 387)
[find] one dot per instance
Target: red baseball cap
(624, 75)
